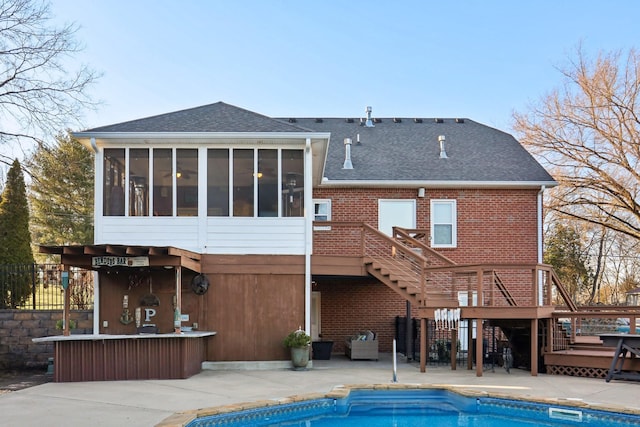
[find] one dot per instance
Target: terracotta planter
(299, 357)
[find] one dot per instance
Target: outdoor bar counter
(101, 357)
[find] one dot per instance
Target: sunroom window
(240, 182)
(114, 182)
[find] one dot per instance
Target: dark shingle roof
(405, 149)
(218, 117)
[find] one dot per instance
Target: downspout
(540, 242)
(94, 145)
(96, 275)
(308, 231)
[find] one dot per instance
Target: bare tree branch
(588, 134)
(39, 95)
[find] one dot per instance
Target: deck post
(469, 341)
(534, 287)
(534, 347)
(67, 301)
(423, 344)
(454, 348)
(479, 349)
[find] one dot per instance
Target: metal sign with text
(119, 261)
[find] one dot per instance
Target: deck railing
(592, 321)
(501, 284)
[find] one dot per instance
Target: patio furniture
(362, 346)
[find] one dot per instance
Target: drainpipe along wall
(540, 241)
(308, 231)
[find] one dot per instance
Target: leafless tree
(39, 94)
(588, 134)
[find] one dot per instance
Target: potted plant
(60, 324)
(298, 341)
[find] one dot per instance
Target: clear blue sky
(476, 59)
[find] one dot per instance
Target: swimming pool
(416, 408)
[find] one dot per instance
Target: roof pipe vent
(347, 154)
(443, 153)
(369, 122)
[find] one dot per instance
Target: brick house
(331, 224)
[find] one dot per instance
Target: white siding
(278, 236)
(151, 231)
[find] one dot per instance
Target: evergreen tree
(15, 240)
(565, 252)
(61, 193)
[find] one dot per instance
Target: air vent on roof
(368, 123)
(459, 120)
(397, 120)
(348, 120)
(292, 120)
(377, 120)
(416, 120)
(443, 153)
(318, 120)
(347, 154)
(439, 121)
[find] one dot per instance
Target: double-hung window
(443, 223)
(322, 212)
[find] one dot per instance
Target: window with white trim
(443, 223)
(322, 212)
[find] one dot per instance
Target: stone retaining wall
(18, 327)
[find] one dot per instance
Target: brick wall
(18, 327)
(494, 225)
(353, 305)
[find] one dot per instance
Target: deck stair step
(397, 273)
(588, 343)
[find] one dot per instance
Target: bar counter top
(98, 337)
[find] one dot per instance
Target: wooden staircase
(397, 275)
(403, 268)
(400, 263)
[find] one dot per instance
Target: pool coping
(183, 418)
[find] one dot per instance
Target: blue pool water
(417, 408)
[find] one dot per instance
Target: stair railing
(377, 245)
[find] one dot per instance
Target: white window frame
(453, 223)
(326, 202)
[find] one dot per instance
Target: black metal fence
(39, 287)
(439, 346)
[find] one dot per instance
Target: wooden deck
(587, 357)
(428, 280)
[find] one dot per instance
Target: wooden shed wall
(252, 304)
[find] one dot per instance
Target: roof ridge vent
(319, 120)
(348, 120)
(459, 120)
(443, 153)
(369, 123)
(347, 154)
(417, 120)
(292, 120)
(439, 120)
(397, 120)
